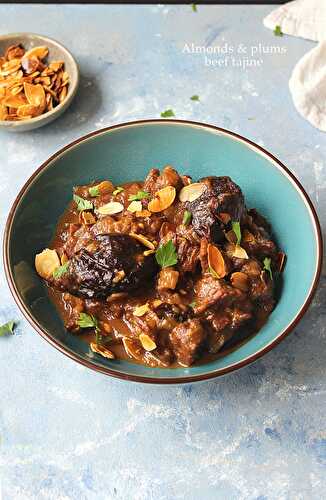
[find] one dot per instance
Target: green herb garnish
(278, 31)
(194, 7)
(167, 113)
(94, 191)
(82, 204)
(61, 270)
(194, 98)
(140, 195)
(267, 266)
(89, 321)
(118, 190)
(237, 231)
(7, 328)
(186, 217)
(166, 255)
(193, 304)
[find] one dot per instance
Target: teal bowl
(125, 152)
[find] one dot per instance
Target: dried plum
(117, 265)
(221, 195)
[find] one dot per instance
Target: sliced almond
(240, 280)
(148, 252)
(239, 252)
(103, 351)
(28, 110)
(135, 206)
(63, 258)
(141, 310)
(3, 112)
(163, 199)
(147, 243)
(111, 208)
(35, 94)
(147, 343)
(46, 262)
(63, 93)
(86, 217)
(216, 261)
(56, 65)
(40, 52)
(105, 187)
(30, 64)
(119, 275)
(281, 260)
(133, 348)
(192, 192)
(14, 101)
(14, 52)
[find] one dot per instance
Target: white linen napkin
(307, 19)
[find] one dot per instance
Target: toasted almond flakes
(216, 261)
(24, 74)
(192, 191)
(103, 351)
(135, 206)
(147, 243)
(147, 343)
(111, 208)
(141, 310)
(46, 262)
(163, 199)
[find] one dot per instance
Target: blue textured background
(69, 433)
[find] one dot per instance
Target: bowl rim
(152, 379)
(72, 89)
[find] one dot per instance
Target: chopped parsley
(267, 266)
(186, 217)
(94, 191)
(140, 195)
(118, 190)
(82, 204)
(166, 255)
(7, 328)
(278, 31)
(193, 304)
(194, 98)
(61, 270)
(89, 321)
(237, 231)
(167, 113)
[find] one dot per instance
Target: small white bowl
(56, 53)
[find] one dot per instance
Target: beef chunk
(156, 180)
(222, 195)
(186, 339)
(116, 265)
(211, 291)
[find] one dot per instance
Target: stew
(165, 272)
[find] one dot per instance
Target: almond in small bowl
(38, 80)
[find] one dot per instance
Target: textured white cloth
(307, 19)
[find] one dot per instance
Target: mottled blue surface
(69, 433)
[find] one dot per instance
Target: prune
(221, 195)
(117, 265)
